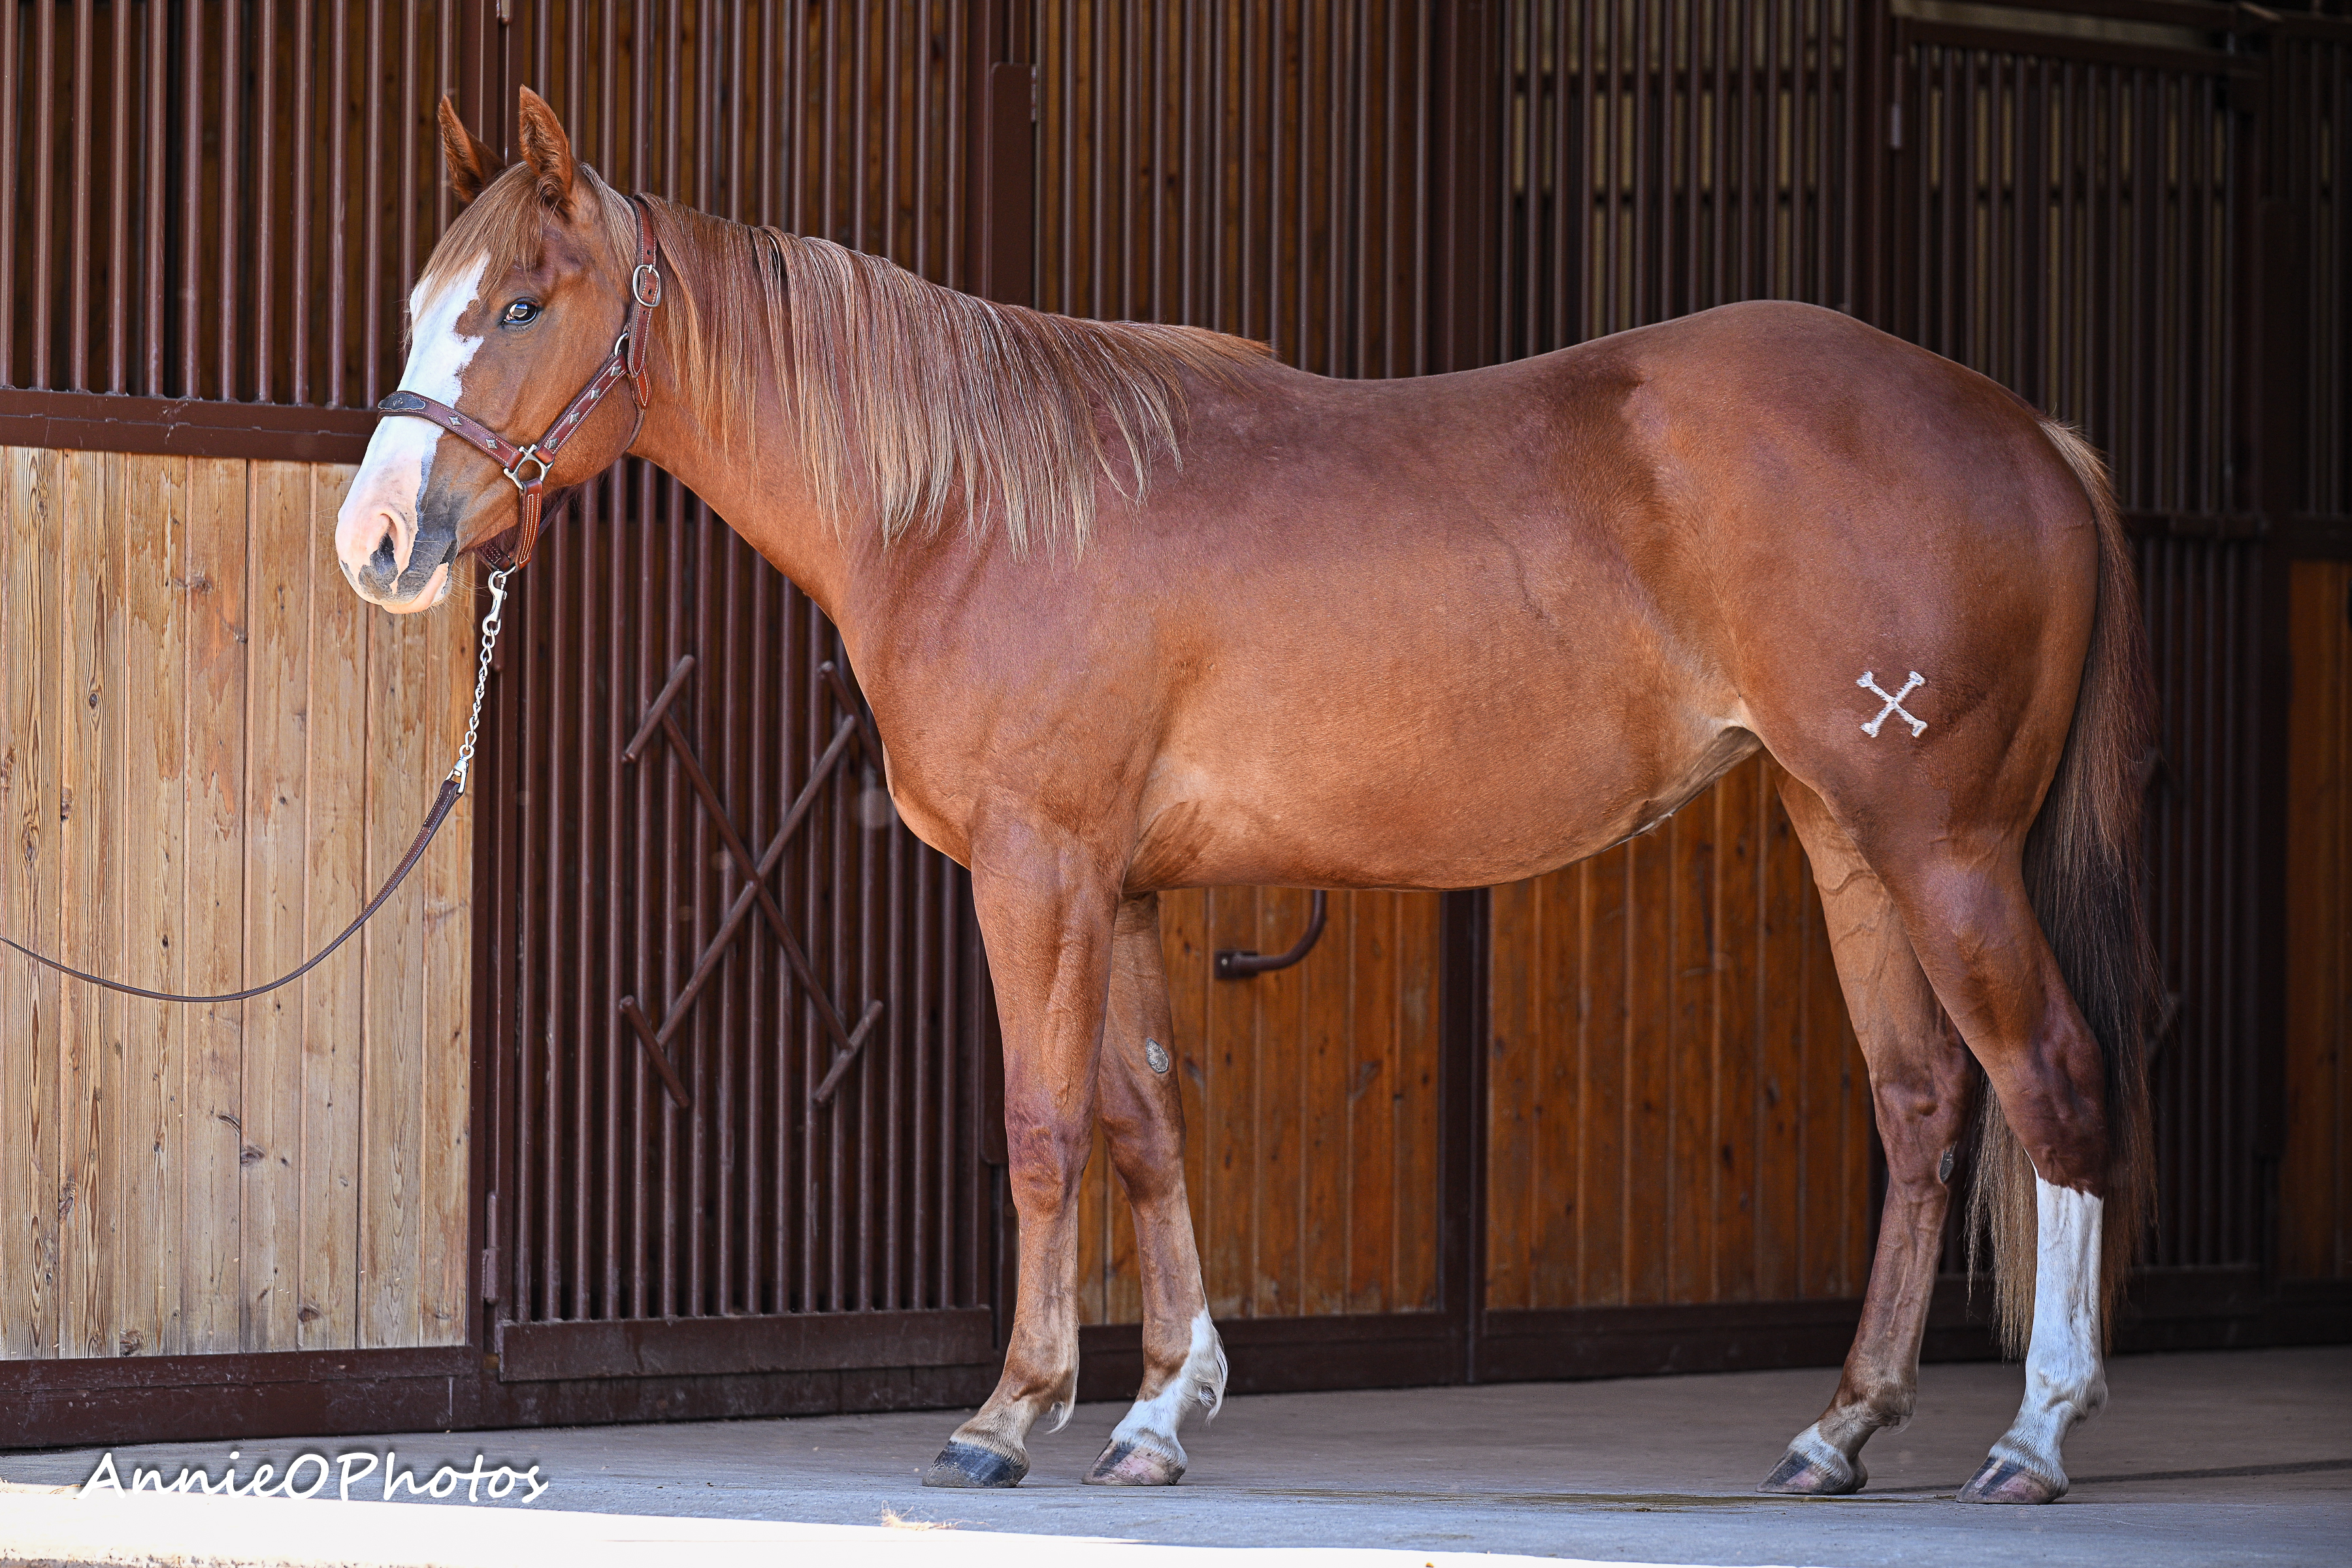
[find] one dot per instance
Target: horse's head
(519, 305)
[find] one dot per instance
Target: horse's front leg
(1143, 1111)
(1046, 905)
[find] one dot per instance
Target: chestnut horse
(1139, 608)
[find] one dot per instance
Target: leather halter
(528, 465)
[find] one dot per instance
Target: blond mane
(914, 404)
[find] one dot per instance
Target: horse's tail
(2082, 874)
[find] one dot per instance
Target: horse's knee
(1045, 1160)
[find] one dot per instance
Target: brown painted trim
(27, 1379)
(1291, 1355)
(166, 426)
(701, 1347)
(1628, 1342)
(470, 1400)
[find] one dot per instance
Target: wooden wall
(2316, 1179)
(1677, 1109)
(210, 752)
(1310, 1112)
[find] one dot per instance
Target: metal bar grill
(742, 1010)
(166, 171)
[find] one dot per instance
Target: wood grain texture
(1674, 1100)
(147, 1310)
(187, 755)
(2315, 1176)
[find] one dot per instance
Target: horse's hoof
(1815, 1475)
(2001, 1481)
(1133, 1465)
(963, 1464)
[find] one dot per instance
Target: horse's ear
(471, 165)
(547, 151)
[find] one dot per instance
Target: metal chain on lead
(490, 624)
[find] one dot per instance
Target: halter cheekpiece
(527, 466)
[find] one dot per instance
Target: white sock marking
(2065, 1382)
(1152, 1423)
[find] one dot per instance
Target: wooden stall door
(2315, 1181)
(1677, 1110)
(210, 751)
(1310, 1112)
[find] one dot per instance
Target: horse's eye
(523, 313)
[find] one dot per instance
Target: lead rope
(452, 788)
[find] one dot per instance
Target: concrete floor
(2224, 1457)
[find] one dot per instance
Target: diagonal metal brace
(755, 891)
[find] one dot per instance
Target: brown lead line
(452, 788)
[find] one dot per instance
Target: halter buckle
(530, 455)
(638, 286)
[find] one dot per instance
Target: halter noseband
(528, 465)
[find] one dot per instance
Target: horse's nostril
(384, 563)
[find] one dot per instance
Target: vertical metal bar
(11, 86)
(118, 226)
(264, 199)
(229, 327)
(372, 226)
(1638, 198)
(78, 230)
(299, 269)
(44, 118)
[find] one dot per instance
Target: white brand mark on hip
(1894, 703)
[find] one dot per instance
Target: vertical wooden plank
(20, 634)
(1649, 1069)
(1184, 950)
(1691, 1054)
(1122, 1276)
(445, 1021)
(1740, 803)
(155, 597)
(1559, 984)
(279, 568)
(1419, 1052)
(1514, 1052)
(90, 911)
(1375, 1093)
(211, 1092)
(1095, 1202)
(1324, 1058)
(1276, 1288)
(28, 774)
(1602, 1130)
(1780, 1141)
(1824, 1133)
(2315, 1174)
(391, 1069)
(1229, 1249)
(335, 853)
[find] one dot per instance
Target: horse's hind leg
(1922, 1089)
(1985, 954)
(1143, 1112)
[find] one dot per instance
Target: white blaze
(390, 484)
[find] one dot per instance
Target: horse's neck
(760, 488)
